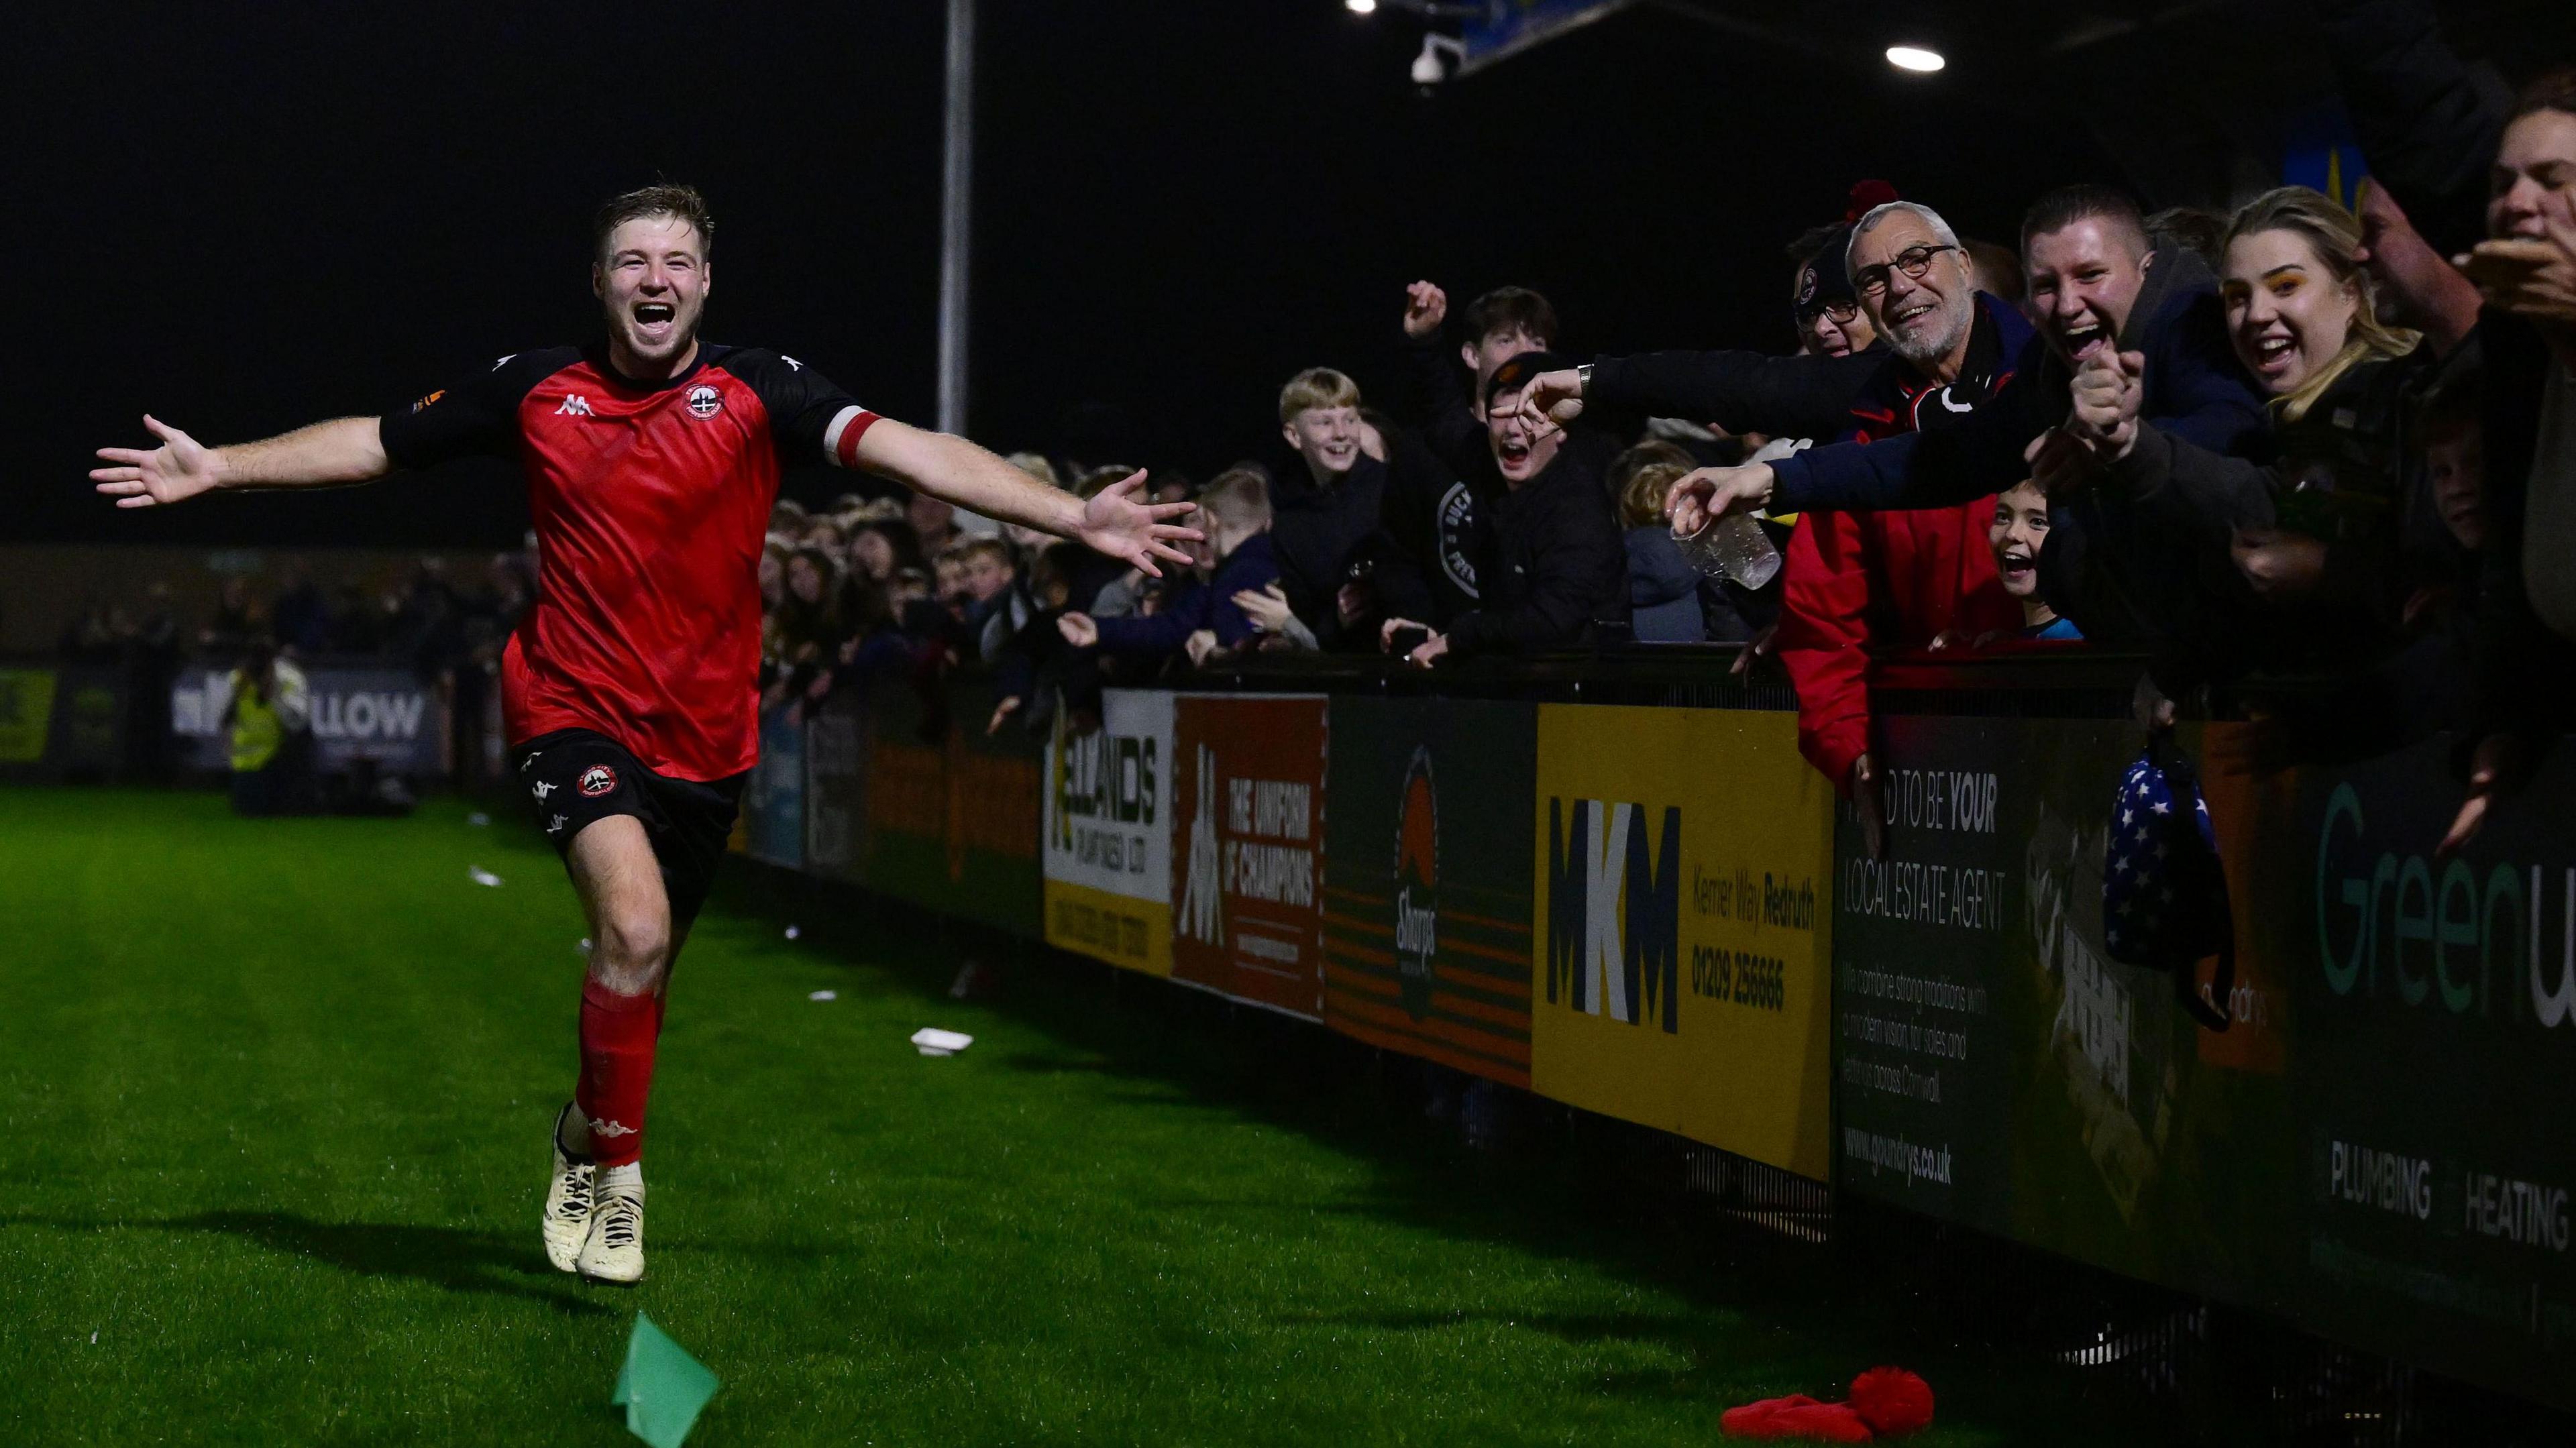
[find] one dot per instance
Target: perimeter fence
(1613, 883)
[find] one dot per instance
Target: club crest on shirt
(597, 780)
(705, 401)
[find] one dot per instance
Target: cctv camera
(1439, 59)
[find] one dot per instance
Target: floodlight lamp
(1440, 58)
(1360, 7)
(1922, 60)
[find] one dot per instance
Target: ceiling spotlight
(1361, 7)
(1904, 57)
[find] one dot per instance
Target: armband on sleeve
(841, 436)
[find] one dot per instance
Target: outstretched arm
(344, 450)
(954, 470)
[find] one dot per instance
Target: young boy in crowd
(2016, 535)
(1201, 617)
(1329, 518)
(985, 572)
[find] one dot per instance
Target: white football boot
(615, 1249)
(568, 1201)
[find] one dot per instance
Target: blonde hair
(2334, 234)
(1641, 501)
(1239, 496)
(1316, 387)
(982, 546)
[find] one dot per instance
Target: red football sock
(1885, 1403)
(617, 1034)
(1797, 1416)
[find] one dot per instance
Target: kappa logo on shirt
(705, 401)
(575, 405)
(541, 789)
(597, 780)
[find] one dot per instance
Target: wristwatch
(1583, 381)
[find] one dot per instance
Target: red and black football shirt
(650, 501)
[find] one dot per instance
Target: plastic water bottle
(1733, 548)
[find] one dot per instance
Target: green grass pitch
(272, 1101)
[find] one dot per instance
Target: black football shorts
(576, 776)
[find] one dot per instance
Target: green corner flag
(661, 1386)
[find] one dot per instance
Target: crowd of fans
(2306, 440)
(427, 622)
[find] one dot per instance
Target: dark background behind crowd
(1178, 204)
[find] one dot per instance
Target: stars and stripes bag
(2164, 894)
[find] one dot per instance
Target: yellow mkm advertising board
(1684, 862)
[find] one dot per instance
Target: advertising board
(1997, 1067)
(357, 712)
(773, 799)
(2437, 1041)
(1107, 845)
(949, 813)
(1427, 880)
(1683, 887)
(1248, 812)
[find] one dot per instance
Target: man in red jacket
(1854, 581)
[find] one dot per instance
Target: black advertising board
(2435, 1067)
(1429, 813)
(1996, 1067)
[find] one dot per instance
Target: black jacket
(1794, 396)
(1426, 568)
(1319, 534)
(1550, 562)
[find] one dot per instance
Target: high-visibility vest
(256, 732)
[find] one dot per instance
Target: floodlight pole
(957, 176)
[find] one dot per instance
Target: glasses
(1914, 261)
(1841, 311)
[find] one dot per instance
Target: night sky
(247, 218)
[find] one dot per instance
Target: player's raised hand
(1114, 522)
(179, 469)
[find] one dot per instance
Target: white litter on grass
(481, 876)
(933, 1041)
(478, 819)
(584, 946)
(823, 995)
(792, 932)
